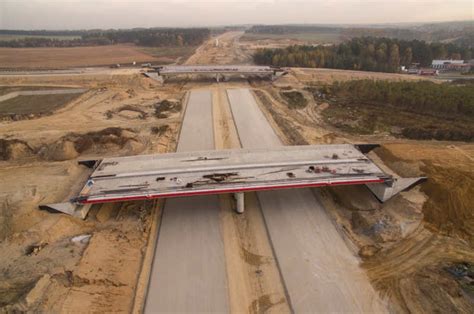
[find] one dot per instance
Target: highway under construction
(189, 271)
(178, 194)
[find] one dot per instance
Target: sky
(88, 14)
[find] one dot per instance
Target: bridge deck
(213, 172)
(216, 69)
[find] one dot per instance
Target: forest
(364, 53)
(432, 32)
(421, 97)
(423, 109)
(152, 37)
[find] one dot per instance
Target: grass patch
(35, 104)
(9, 89)
(294, 99)
(367, 119)
(415, 110)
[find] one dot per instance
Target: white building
(446, 64)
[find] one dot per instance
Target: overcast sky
(86, 14)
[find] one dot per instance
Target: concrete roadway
(319, 271)
(188, 272)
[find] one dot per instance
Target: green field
(8, 89)
(35, 104)
(316, 37)
(7, 37)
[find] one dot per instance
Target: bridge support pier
(240, 204)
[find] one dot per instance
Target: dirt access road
(223, 49)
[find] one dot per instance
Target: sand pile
(449, 187)
(59, 151)
(98, 142)
(88, 141)
(14, 149)
(70, 146)
(128, 112)
(165, 108)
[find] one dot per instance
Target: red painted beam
(236, 190)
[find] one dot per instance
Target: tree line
(364, 53)
(452, 105)
(45, 33)
(153, 37)
(427, 32)
(422, 97)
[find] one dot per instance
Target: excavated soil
(14, 149)
(109, 140)
(450, 188)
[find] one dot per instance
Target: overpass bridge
(217, 71)
(230, 171)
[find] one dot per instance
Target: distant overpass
(217, 71)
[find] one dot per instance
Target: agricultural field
(60, 58)
(35, 104)
(10, 89)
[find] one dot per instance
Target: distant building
(450, 65)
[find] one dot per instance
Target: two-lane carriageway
(188, 273)
(319, 271)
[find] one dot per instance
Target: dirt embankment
(61, 264)
(450, 188)
(223, 49)
(72, 145)
(411, 243)
(53, 262)
(286, 125)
